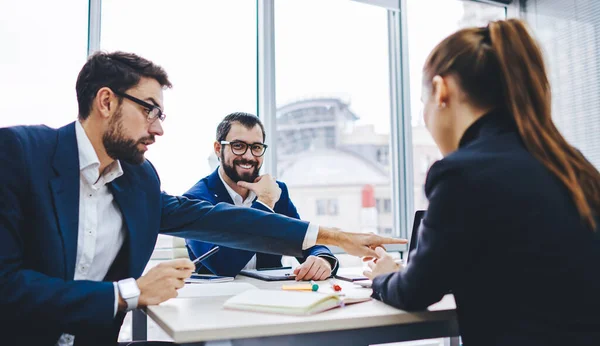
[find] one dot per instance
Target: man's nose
(156, 128)
(248, 155)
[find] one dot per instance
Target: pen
(335, 286)
(273, 268)
(206, 255)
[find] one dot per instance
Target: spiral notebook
(289, 302)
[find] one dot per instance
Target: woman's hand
(383, 264)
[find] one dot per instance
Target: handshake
(162, 282)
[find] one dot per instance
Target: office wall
(569, 33)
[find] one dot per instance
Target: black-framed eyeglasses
(240, 148)
(153, 111)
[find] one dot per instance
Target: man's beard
(233, 174)
(118, 147)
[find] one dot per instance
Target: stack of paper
(207, 278)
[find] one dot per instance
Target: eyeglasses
(240, 148)
(153, 111)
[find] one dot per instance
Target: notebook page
(287, 302)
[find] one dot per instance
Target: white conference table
(201, 320)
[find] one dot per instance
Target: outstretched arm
(255, 230)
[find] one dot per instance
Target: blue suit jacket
(503, 234)
(39, 211)
(229, 261)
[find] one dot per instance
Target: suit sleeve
(445, 246)
(30, 297)
(227, 261)
(317, 250)
(228, 225)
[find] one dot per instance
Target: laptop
(414, 236)
(412, 244)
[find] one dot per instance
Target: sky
(324, 48)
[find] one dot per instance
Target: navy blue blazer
(228, 261)
(39, 211)
(503, 234)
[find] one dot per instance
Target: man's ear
(218, 147)
(105, 102)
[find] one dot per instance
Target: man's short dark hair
(118, 71)
(246, 119)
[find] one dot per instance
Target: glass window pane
(449, 16)
(41, 58)
(208, 48)
(569, 34)
(333, 110)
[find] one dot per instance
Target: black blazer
(504, 235)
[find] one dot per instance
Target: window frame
(399, 79)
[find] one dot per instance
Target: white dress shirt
(310, 239)
(100, 232)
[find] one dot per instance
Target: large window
(426, 28)
(208, 48)
(327, 207)
(41, 57)
(569, 33)
(333, 109)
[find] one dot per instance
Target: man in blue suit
(240, 148)
(80, 210)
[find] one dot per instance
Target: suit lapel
(217, 189)
(65, 194)
(132, 202)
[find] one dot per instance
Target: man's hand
(266, 189)
(162, 282)
(357, 244)
(384, 264)
(314, 268)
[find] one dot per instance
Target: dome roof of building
(321, 102)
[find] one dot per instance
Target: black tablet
(270, 274)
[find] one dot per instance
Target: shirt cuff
(116, 299)
(266, 206)
(310, 239)
(332, 261)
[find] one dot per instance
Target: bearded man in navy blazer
(80, 210)
(240, 147)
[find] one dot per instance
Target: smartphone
(204, 278)
(351, 277)
(208, 277)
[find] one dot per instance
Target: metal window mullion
(94, 25)
(514, 10)
(266, 105)
(401, 128)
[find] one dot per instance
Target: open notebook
(290, 302)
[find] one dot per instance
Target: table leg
(139, 325)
